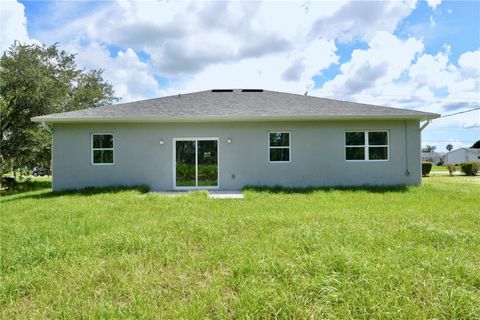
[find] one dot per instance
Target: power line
(452, 114)
(419, 96)
(449, 141)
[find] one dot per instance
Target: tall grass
(332, 253)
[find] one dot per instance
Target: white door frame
(196, 139)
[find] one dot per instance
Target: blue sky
(422, 55)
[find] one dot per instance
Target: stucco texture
(317, 154)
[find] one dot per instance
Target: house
(433, 157)
(228, 139)
(462, 155)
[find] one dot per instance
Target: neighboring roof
(234, 105)
(433, 154)
(466, 149)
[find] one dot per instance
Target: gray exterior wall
(317, 154)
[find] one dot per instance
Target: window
(366, 145)
(102, 148)
(279, 146)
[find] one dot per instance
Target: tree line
(448, 147)
(37, 80)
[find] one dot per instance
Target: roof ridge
(236, 90)
(237, 105)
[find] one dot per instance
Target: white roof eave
(47, 119)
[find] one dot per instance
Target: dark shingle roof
(237, 104)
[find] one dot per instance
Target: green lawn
(444, 169)
(355, 253)
(440, 168)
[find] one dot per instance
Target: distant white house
(433, 157)
(462, 155)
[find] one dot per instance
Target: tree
(449, 147)
(476, 145)
(37, 80)
(429, 148)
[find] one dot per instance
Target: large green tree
(37, 80)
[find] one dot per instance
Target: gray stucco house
(227, 139)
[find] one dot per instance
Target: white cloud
(362, 19)
(434, 3)
(436, 72)
(191, 41)
(469, 120)
(397, 73)
(13, 24)
(186, 38)
(183, 37)
(470, 64)
(383, 62)
(265, 72)
(431, 71)
(304, 63)
(131, 78)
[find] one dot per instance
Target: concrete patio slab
(225, 194)
(235, 194)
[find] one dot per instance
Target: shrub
(470, 168)
(426, 168)
(451, 168)
(8, 182)
(206, 172)
(440, 163)
(185, 171)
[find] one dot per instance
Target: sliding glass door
(185, 164)
(207, 163)
(196, 163)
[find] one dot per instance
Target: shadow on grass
(23, 189)
(26, 186)
(283, 190)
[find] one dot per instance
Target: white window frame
(366, 146)
(94, 149)
(280, 147)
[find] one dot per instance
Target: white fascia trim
(231, 118)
